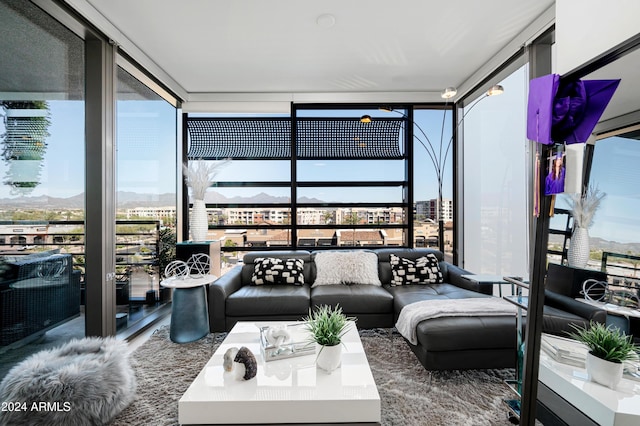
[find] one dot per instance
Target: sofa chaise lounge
(458, 342)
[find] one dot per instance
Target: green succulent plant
(607, 343)
(327, 325)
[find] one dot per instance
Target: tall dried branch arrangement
(584, 206)
(199, 175)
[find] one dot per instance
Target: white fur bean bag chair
(84, 382)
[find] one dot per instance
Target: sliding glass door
(146, 152)
(42, 189)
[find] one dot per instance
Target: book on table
(564, 350)
(297, 342)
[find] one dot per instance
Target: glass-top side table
(488, 279)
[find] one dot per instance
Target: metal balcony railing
(137, 246)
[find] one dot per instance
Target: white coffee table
(286, 391)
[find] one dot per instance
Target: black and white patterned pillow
(424, 270)
(269, 270)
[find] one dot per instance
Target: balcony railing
(137, 244)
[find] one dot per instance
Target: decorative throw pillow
(424, 270)
(346, 267)
(269, 270)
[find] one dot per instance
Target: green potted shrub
(327, 325)
(608, 348)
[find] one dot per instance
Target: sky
(148, 146)
(143, 159)
(149, 152)
(63, 167)
(615, 172)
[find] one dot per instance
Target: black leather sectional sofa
(464, 342)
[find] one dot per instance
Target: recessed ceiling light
(326, 20)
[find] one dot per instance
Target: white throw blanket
(412, 314)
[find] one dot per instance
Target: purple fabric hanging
(566, 111)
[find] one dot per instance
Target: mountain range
(596, 243)
(127, 199)
(132, 199)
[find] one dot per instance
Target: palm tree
(352, 219)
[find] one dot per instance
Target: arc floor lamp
(438, 153)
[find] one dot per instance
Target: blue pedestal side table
(189, 311)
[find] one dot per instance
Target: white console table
(604, 406)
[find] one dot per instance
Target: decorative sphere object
(277, 336)
(199, 264)
(246, 358)
(177, 268)
(229, 356)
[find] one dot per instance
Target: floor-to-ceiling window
(249, 204)
(57, 93)
(347, 183)
(433, 179)
(615, 233)
(357, 185)
(146, 153)
(495, 206)
(42, 188)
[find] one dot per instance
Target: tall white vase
(578, 254)
(199, 225)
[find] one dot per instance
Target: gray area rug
(410, 395)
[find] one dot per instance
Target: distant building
(370, 216)
(311, 216)
(151, 212)
(15, 237)
(253, 216)
(364, 237)
(428, 209)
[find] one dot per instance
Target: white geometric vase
(198, 224)
(606, 373)
(578, 254)
(328, 357)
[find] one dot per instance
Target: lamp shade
(495, 90)
(449, 93)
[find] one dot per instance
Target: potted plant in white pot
(583, 208)
(327, 325)
(608, 348)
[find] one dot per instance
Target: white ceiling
(284, 50)
(626, 98)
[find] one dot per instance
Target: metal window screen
(214, 138)
(270, 138)
(348, 138)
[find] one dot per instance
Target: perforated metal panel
(214, 138)
(348, 138)
(316, 138)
